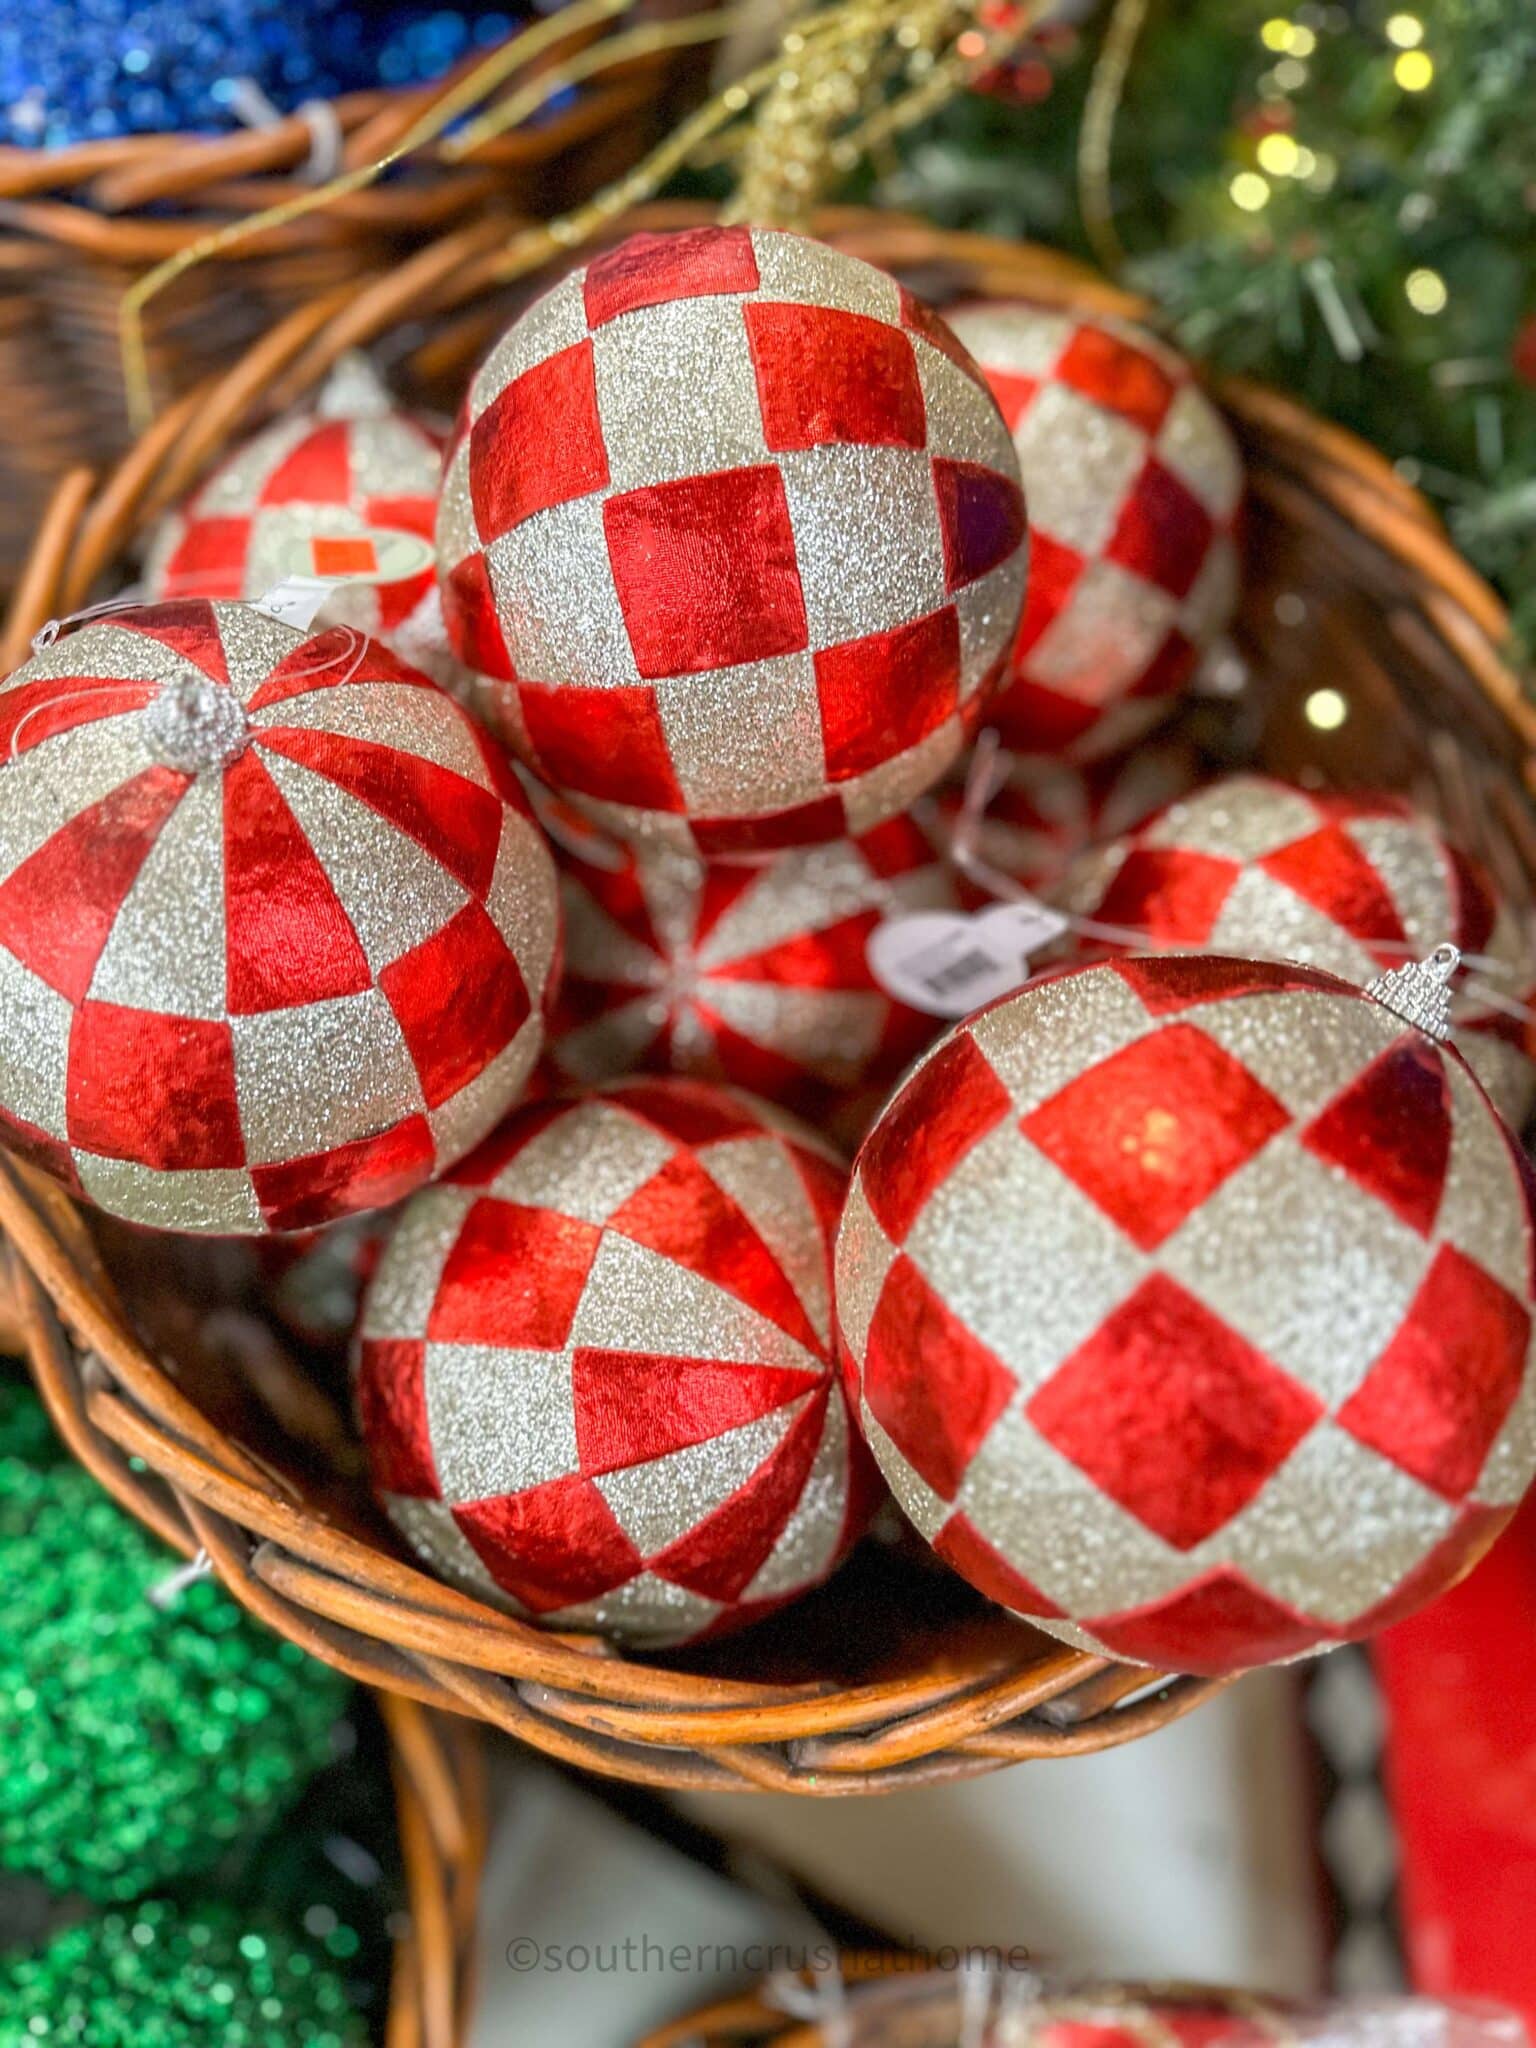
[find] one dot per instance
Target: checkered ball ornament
(344, 491)
(738, 526)
(753, 974)
(276, 924)
(1186, 1305)
(1357, 884)
(1134, 486)
(595, 1370)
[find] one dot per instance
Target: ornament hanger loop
(47, 633)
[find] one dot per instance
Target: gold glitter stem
(646, 41)
(1096, 136)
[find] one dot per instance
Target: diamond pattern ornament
(595, 1370)
(1358, 884)
(344, 490)
(1185, 1303)
(277, 927)
(1134, 486)
(753, 974)
(738, 527)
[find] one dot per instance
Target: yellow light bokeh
(1414, 70)
(1279, 155)
(1426, 292)
(1326, 710)
(1249, 191)
(1302, 43)
(1276, 34)
(1405, 30)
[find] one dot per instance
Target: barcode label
(948, 965)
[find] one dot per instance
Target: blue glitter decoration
(80, 70)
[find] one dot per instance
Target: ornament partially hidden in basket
(1187, 1302)
(342, 492)
(276, 923)
(1357, 884)
(1134, 485)
(766, 620)
(757, 975)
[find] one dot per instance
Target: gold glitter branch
(1095, 141)
(807, 128)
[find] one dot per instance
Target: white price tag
(948, 964)
(296, 600)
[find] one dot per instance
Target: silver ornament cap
(1420, 993)
(194, 723)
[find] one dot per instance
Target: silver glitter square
(316, 1077)
(1079, 461)
(759, 722)
(499, 1420)
(554, 588)
(220, 1200)
(651, 377)
(802, 272)
(867, 539)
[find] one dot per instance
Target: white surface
(591, 1909)
(1184, 1855)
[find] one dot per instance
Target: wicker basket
(79, 225)
(440, 1812)
(893, 1674)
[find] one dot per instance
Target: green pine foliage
(1382, 269)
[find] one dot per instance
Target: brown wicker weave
(891, 1675)
(79, 225)
(440, 1812)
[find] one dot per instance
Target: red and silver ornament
(276, 925)
(1354, 883)
(1134, 485)
(595, 1375)
(1187, 1303)
(739, 527)
(757, 975)
(341, 492)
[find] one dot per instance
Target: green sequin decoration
(137, 1743)
(154, 1976)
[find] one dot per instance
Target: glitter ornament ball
(344, 491)
(1134, 483)
(739, 527)
(1356, 884)
(276, 924)
(757, 975)
(1187, 1302)
(138, 1741)
(595, 1374)
(163, 1975)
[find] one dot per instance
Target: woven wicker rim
(974, 1707)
